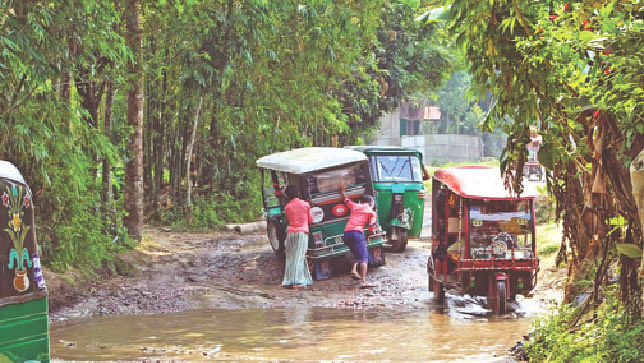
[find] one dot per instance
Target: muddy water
(297, 333)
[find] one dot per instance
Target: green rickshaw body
(318, 174)
(413, 202)
(397, 175)
(24, 323)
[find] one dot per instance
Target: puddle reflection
(298, 333)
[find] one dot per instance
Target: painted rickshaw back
(24, 324)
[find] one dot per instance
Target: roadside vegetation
(573, 71)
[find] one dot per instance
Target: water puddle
(301, 333)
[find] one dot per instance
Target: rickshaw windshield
(332, 180)
(397, 168)
(271, 179)
(499, 226)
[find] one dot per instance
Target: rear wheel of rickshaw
(274, 239)
(400, 243)
(501, 298)
(439, 292)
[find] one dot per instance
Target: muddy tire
(501, 298)
(404, 238)
(274, 237)
(439, 292)
(399, 244)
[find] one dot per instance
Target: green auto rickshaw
(319, 173)
(398, 174)
(24, 323)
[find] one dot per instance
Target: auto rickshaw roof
(386, 150)
(303, 160)
(9, 171)
(481, 182)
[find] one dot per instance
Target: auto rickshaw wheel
(439, 292)
(501, 298)
(274, 239)
(399, 244)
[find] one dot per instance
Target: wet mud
(237, 269)
(182, 271)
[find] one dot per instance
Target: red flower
(587, 25)
(607, 70)
(567, 7)
(595, 114)
(25, 201)
(5, 199)
(553, 16)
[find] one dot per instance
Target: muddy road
(185, 271)
(179, 271)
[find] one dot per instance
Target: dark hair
(366, 198)
(291, 192)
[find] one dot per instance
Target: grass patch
(548, 250)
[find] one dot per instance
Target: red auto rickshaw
(483, 238)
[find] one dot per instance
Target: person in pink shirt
(362, 214)
(298, 214)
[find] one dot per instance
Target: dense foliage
(222, 82)
(608, 337)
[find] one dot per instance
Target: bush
(612, 336)
(544, 206)
(212, 212)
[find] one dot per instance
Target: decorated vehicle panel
(398, 176)
(24, 325)
(483, 237)
(319, 174)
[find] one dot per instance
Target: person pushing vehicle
(361, 214)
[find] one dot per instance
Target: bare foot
(367, 285)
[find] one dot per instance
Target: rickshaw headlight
(318, 214)
(398, 197)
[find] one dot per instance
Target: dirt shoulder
(229, 270)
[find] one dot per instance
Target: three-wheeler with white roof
(319, 174)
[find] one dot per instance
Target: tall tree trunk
(134, 166)
(107, 129)
(158, 152)
(209, 155)
(190, 147)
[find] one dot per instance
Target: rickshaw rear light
(421, 194)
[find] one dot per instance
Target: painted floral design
(16, 222)
(15, 199)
